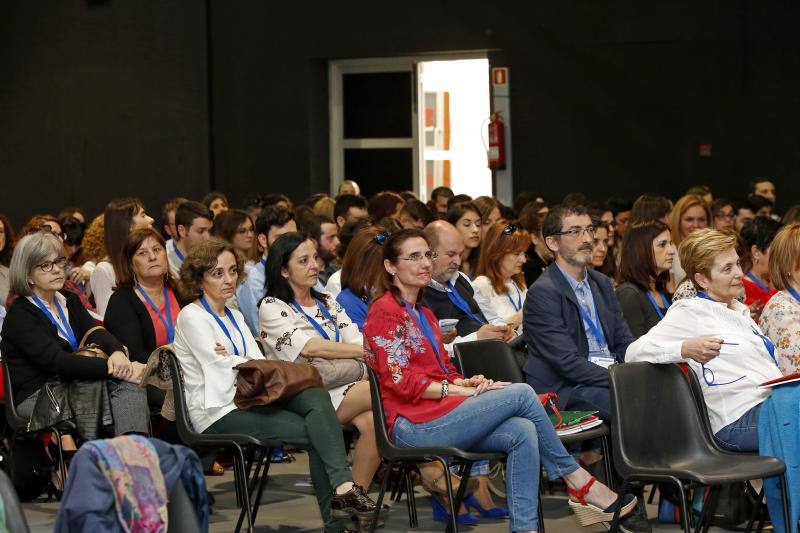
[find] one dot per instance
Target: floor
(289, 506)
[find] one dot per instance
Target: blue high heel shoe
(494, 512)
(441, 515)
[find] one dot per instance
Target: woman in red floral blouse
(428, 403)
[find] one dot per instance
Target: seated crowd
(393, 283)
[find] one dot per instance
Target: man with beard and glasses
(325, 234)
(573, 325)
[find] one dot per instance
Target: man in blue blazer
(573, 325)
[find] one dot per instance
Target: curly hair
(11, 240)
(200, 260)
(93, 244)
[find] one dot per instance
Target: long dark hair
(391, 253)
(8, 250)
(119, 215)
(277, 259)
(637, 262)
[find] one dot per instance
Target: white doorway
(454, 109)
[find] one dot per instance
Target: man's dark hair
(576, 198)
(554, 220)
(458, 199)
(756, 202)
(524, 198)
(650, 207)
(344, 202)
(755, 181)
(274, 199)
(188, 211)
(274, 215)
(349, 231)
(447, 192)
(618, 205)
(759, 232)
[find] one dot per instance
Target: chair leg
(410, 499)
(709, 506)
(607, 462)
(406, 480)
(785, 504)
(540, 510)
(652, 494)
(379, 502)
(246, 509)
(684, 506)
(261, 485)
(62, 465)
(615, 520)
(452, 527)
(756, 510)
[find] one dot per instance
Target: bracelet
(445, 389)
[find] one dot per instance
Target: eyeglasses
(708, 377)
(47, 266)
(577, 232)
(381, 237)
(727, 216)
(243, 231)
(510, 229)
(416, 257)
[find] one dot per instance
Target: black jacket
(637, 309)
(34, 352)
(127, 318)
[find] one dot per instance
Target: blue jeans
(742, 435)
(510, 420)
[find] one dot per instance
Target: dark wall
(101, 100)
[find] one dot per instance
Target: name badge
(604, 359)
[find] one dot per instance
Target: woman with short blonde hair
(780, 318)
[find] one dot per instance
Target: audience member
(760, 205)
(745, 212)
(539, 256)
(573, 326)
(428, 403)
(236, 227)
(193, 222)
(216, 202)
(458, 199)
(385, 204)
(40, 341)
(277, 200)
(349, 187)
(714, 334)
(703, 191)
(349, 207)
(324, 207)
(490, 211)
(122, 216)
(780, 319)
(643, 275)
(346, 235)
(722, 214)
(415, 214)
(690, 214)
(299, 324)
(440, 196)
(74, 212)
(524, 198)
(94, 247)
(764, 187)
(602, 253)
(757, 238)
(252, 205)
(792, 215)
(209, 277)
(467, 220)
(499, 275)
(621, 208)
(651, 207)
(7, 240)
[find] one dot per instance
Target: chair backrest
(385, 446)
(657, 422)
(493, 358)
(16, 422)
(14, 517)
(186, 432)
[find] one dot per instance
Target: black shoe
(636, 522)
(354, 502)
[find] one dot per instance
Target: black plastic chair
(234, 441)
(408, 457)
(661, 434)
(19, 426)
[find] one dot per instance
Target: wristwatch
(445, 389)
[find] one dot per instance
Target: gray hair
(30, 251)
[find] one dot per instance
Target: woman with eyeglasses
(714, 334)
(122, 216)
(466, 217)
(499, 275)
(45, 328)
(643, 275)
(428, 403)
(300, 324)
(722, 211)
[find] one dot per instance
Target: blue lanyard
(459, 302)
(66, 330)
(424, 326)
(518, 304)
(793, 293)
(316, 324)
(264, 263)
(597, 331)
(768, 344)
(168, 324)
(755, 280)
(177, 252)
(221, 324)
(656, 306)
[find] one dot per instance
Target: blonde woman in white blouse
(714, 334)
(298, 323)
(211, 340)
(499, 275)
(780, 318)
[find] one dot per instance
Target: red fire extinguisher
(497, 142)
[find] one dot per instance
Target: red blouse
(158, 325)
(405, 362)
(756, 298)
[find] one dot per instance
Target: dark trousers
(307, 421)
(591, 398)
